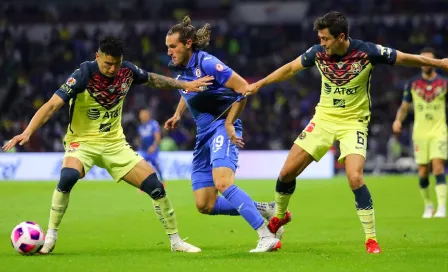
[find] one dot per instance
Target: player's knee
(153, 187)
(423, 171)
(355, 179)
(69, 177)
(438, 168)
(204, 207)
(222, 184)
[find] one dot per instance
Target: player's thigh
(438, 148)
(205, 199)
(81, 156)
(123, 163)
(298, 159)
(421, 151)
(316, 139)
(352, 140)
(224, 157)
(201, 172)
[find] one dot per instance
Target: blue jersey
(213, 147)
(147, 133)
(206, 106)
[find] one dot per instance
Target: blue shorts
(213, 149)
(153, 160)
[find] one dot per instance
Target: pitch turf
(112, 227)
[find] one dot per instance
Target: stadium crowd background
(33, 68)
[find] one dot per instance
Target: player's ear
(97, 56)
(189, 43)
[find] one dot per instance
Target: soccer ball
(27, 238)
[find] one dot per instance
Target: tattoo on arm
(163, 82)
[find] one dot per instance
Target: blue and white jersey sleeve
(212, 66)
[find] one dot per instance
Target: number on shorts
(218, 143)
(360, 139)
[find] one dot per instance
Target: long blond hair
(186, 30)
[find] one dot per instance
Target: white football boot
(182, 246)
(267, 244)
(50, 241)
(429, 210)
(441, 212)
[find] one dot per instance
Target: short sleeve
(379, 54)
(309, 56)
(140, 76)
(407, 96)
(76, 83)
(212, 66)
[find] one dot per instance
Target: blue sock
(224, 207)
(244, 205)
(440, 179)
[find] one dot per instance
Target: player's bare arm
(281, 74)
(163, 82)
(239, 85)
(39, 119)
(157, 138)
(401, 115)
(412, 60)
(172, 122)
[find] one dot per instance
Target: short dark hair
(334, 21)
(428, 50)
(112, 45)
(186, 31)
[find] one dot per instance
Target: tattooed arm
(163, 82)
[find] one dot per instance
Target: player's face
(180, 53)
(331, 44)
(144, 116)
(427, 69)
(108, 65)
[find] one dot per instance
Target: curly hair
(335, 22)
(112, 45)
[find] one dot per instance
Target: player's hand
(253, 89)
(172, 123)
(21, 139)
(151, 149)
(396, 127)
(199, 85)
(238, 141)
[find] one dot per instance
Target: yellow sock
(426, 198)
(281, 201)
(441, 195)
(165, 213)
(59, 205)
(367, 218)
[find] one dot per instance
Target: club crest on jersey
(356, 68)
(124, 87)
(197, 72)
(71, 81)
(112, 89)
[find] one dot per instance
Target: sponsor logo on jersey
(105, 127)
(93, 114)
(72, 147)
(339, 103)
(302, 135)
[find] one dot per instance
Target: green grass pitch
(112, 227)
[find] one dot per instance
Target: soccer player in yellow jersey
(428, 94)
(342, 114)
(95, 136)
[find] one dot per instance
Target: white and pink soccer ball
(27, 238)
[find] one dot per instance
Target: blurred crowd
(33, 70)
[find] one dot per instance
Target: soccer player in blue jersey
(343, 113)
(215, 157)
(149, 132)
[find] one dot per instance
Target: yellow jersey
(345, 88)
